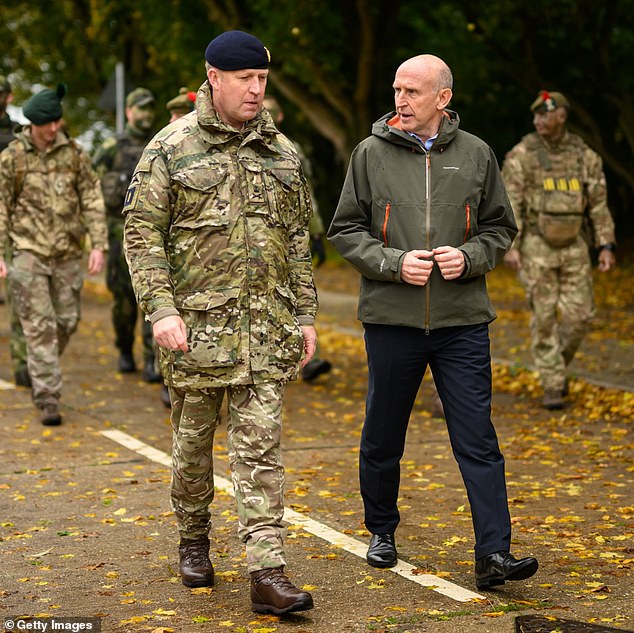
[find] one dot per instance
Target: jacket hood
(387, 128)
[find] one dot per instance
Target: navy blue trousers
(460, 361)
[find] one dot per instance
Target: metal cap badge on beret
(5, 86)
(139, 97)
(45, 106)
(549, 101)
(237, 50)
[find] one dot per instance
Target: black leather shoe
(126, 363)
(195, 567)
(149, 372)
(315, 367)
(382, 551)
(22, 378)
(494, 569)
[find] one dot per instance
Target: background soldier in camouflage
(554, 180)
(216, 237)
(115, 162)
(49, 197)
(181, 104)
(17, 342)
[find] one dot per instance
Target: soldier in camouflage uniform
(216, 238)
(17, 342)
(49, 197)
(115, 162)
(554, 180)
(181, 104)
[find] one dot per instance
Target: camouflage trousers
(45, 295)
(253, 432)
(558, 284)
(17, 342)
(124, 308)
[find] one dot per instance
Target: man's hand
(3, 268)
(416, 267)
(513, 260)
(310, 342)
(607, 260)
(95, 261)
(171, 333)
(450, 261)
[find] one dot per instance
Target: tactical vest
(556, 196)
(114, 182)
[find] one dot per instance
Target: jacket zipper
(386, 219)
(467, 222)
(427, 238)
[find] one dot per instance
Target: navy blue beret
(237, 50)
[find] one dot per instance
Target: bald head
(429, 67)
(422, 90)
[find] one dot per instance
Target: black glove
(318, 249)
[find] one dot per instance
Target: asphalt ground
(86, 529)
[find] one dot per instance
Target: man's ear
(444, 97)
(212, 76)
(562, 115)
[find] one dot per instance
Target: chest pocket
(271, 189)
(203, 195)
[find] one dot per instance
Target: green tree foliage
(333, 63)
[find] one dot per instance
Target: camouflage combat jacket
(50, 199)
(216, 231)
(558, 183)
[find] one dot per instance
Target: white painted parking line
(343, 541)
(5, 386)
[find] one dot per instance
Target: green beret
(45, 106)
(183, 102)
(139, 97)
(549, 101)
(237, 50)
(5, 86)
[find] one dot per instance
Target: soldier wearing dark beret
(49, 199)
(555, 182)
(217, 242)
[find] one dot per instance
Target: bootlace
(196, 553)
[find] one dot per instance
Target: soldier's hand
(318, 249)
(450, 261)
(606, 260)
(310, 342)
(513, 260)
(171, 333)
(416, 267)
(95, 261)
(3, 268)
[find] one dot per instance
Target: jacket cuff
(306, 320)
(161, 313)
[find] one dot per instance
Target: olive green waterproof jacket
(398, 197)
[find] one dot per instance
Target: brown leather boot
(195, 567)
(273, 592)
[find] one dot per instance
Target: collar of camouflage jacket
(260, 128)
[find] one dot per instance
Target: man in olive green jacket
(423, 215)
